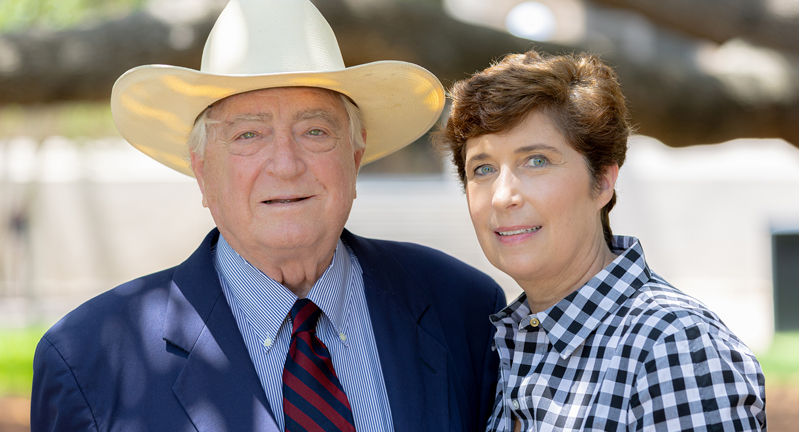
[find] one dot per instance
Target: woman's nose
(506, 190)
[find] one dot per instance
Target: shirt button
(268, 342)
(534, 322)
(343, 337)
(515, 404)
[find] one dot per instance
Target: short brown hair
(579, 93)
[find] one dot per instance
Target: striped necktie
(313, 399)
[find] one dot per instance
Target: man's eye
(247, 135)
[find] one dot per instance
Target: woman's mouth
(519, 231)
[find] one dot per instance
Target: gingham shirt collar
(569, 322)
(251, 289)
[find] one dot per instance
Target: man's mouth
(284, 201)
(519, 231)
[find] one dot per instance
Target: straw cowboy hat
(257, 44)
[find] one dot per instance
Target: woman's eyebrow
(521, 150)
(477, 157)
(536, 147)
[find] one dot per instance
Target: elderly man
(281, 320)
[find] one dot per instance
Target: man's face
(279, 170)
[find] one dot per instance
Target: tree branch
(675, 95)
(767, 23)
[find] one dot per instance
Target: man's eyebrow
(320, 113)
(248, 117)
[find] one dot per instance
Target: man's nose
(285, 156)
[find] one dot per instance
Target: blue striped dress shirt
(260, 306)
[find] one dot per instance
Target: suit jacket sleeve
(57, 401)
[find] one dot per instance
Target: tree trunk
(673, 96)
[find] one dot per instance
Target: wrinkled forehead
(285, 97)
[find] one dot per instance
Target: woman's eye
(538, 161)
(483, 170)
(247, 135)
(316, 132)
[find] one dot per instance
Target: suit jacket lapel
(413, 360)
(218, 386)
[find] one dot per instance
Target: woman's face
(532, 202)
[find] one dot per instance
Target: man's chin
(293, 237)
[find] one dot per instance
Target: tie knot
(304, 315)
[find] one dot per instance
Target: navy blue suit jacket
(164, 353)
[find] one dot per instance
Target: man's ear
(358, 156)
(359, 152)
(197, 169)
(607, 184)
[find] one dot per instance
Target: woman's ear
(607, 184)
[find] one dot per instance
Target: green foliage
(16, 15)
(16, 359)
(781, 362)
(74, 120)
(86, 119)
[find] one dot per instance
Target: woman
(597, 341)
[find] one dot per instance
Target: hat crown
(255, 37)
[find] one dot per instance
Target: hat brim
(155, 106)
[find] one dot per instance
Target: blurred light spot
(60, 161)
(182, 11)
(9, 57)
(21, 161)
(783, 8)
(751, 74)
(181, 36)
(74, 54)
(531, 20)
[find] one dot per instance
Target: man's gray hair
(201, 133)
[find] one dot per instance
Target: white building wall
(104, 213)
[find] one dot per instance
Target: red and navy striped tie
(313, 399)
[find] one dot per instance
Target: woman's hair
(579, 93)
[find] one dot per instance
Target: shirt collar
(266, 303)
(331, 290)
(569, 322)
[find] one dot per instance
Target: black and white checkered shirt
(627, 351)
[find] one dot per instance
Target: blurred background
(710, 186)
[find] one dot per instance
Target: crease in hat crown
(258, 44)
(299, 40)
